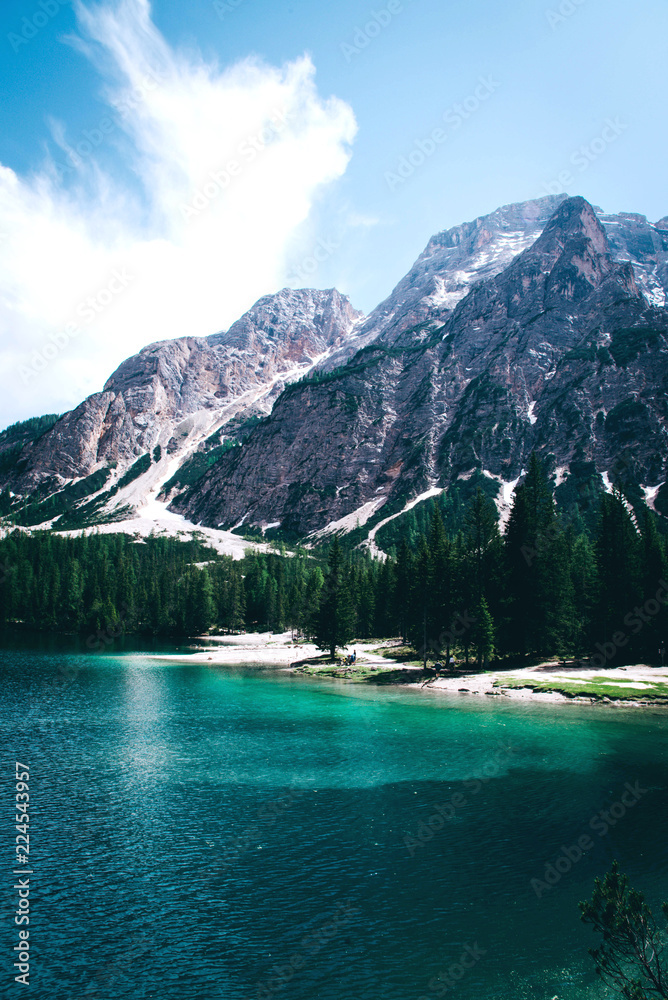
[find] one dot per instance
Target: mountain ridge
(490, 346)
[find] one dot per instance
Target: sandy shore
(546, 682)
(627, 685)
(267, 649)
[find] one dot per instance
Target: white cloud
(192, 252)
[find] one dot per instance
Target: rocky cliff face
(563, 350)
(549, 351)
(176, 387)
(633, 239)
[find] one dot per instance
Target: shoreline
(550, 682)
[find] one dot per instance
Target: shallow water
(201, 832)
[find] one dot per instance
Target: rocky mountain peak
(453, 261)
(571, 257)
(574, 219)
(175, 391)
(508, 220)
(301, 320)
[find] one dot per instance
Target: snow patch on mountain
(356, 519)
(651, 494)
(370, 542)
(504, 498)
(164, 522)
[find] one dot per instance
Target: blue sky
(354, 131)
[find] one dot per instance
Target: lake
(233, 834)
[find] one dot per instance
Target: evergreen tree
(545, 589)
(618, 558)
(482, 633)
(278, 618)
(202, 610)
(384, 584)
(630, 957)
(420, 602)
(439, 583)
(336, 618)
(539, 590)
(364, 602)
(404, 582)
(483, 543)
(655, 575)
(315, 582)
(583, 586)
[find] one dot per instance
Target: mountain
(563, 351)
(541, 326)
(167, 401)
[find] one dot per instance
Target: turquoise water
(201, 832)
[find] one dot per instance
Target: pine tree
(420, 602)
(481, 570)
(539, 590)
(619, 571)
(278, 616)
(630, 958)
(202, 609)
(404, 580)
(655, 574)
(365, 602)
(440, 597)
(483, 542)
(583, 584)
(336, 618)
(237, 613)
(315, 582)
(482, 633)
(384, 583)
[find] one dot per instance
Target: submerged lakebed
(232, 833)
